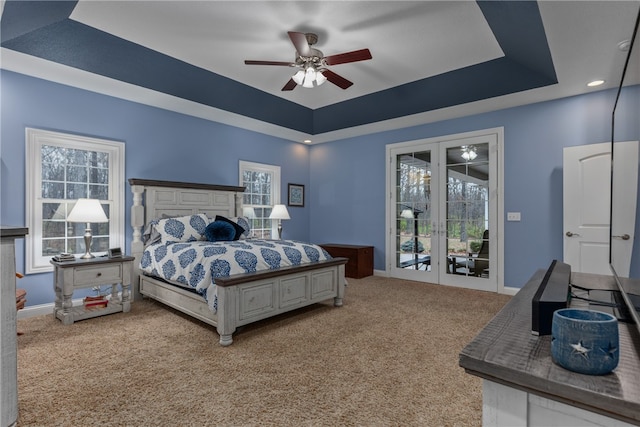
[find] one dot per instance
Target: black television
(625, 126)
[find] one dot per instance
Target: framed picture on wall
(296, 195)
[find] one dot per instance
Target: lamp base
(279, 231)
(87, 244)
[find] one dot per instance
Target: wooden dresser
(523, 386)
(360, 258)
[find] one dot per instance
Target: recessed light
(595, 83)
(307, 141)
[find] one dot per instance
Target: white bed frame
(242, 298)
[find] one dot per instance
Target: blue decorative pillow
(238, 229)
(243, 222)
(220, 231)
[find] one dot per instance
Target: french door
(443, 209)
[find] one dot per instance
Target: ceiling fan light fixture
(310, 73)
(320, 78)
(298, 77)
(310, 63)
(309, 77)
(468, 152)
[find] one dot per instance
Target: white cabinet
(8, 343)
(504, 406)
(85, 273)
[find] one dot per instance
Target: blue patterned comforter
(197, 264)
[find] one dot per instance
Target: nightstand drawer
(100, 274)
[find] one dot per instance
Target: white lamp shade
(279, 212)
(407, 213)
(469, 152)
(298, 77)
(310, 73)
(320, 78)
(60, 213)
(248, 212)
(87, 210)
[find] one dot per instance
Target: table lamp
(88, 211)
(279, 212)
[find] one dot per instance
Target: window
(62, 168)
(262, 191)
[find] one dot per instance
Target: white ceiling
(409, 41)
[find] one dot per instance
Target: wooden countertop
(507, 353)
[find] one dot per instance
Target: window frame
(275, 185)
(34, 140)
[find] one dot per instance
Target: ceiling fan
(312, 63)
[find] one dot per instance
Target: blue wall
(159, 144)
(348, 176)
(345, 180)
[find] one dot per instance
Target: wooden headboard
(172, 198)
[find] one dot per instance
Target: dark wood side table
(360, 258)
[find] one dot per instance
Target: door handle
(570, 234)
(625, 236)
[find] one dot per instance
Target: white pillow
(182, 229)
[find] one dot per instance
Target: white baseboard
(41, 309)
(506, 290)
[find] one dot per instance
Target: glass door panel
(413, 233)
(467, 210)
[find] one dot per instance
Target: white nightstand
(86, 273)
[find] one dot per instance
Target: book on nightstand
(92, 303)
(64, 256)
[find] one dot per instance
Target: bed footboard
(246, 298)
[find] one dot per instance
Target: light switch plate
(513, 216)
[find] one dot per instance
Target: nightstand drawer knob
(99, 274)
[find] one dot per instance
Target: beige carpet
(388, 357)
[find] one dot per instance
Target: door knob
(570, 234)
(625, 236)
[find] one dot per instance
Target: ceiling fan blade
(343, 58)
(299, 40)
(337, 80)
(288, 64)
(290, 85)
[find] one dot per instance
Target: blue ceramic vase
(585, 341)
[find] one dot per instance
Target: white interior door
(586, 201)
(443, 197)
